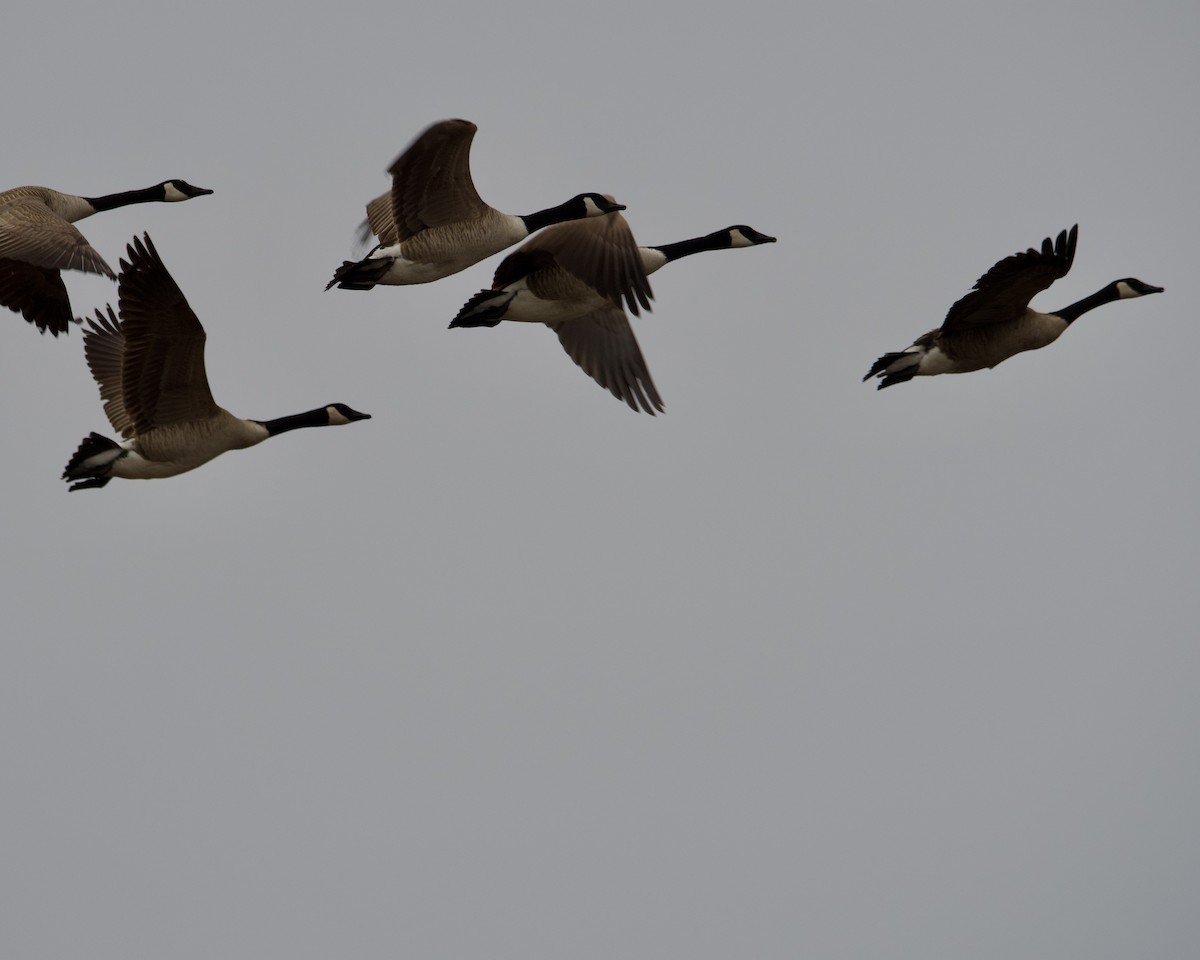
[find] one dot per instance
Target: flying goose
(150, 369)
(994, 321)
(37, 240)
(433, 223)
(577, 278)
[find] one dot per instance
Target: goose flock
(579, 271)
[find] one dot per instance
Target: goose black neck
(311, 418)
(571, 210)
(1097, 299)
(685, 248)
(111, 201)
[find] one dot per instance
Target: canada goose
(37, 241)
(573, 277)
(993, 322)
(433, 223)
(150, 369)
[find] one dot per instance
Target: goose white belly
(438, 252)
(1036, 330)
(171, 450)
(527, 307)
(652, 259)
(934, 361)
(989, 349)
(70, 208)
(402, 271)
(979, 348)
(133, 466)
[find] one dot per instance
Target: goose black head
(741, 235)
(176, 190)
(597, 204)
(340, 414)
(1131, 287)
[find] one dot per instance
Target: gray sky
(797, 669)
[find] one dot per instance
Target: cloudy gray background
(797, 669)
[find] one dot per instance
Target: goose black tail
(888, 377)
(485, 309)
(359, 274)
(91, 463)
(901, 376)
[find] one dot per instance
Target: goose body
(994, 321)
(433, 223)
(149, 366)
(38, 240)
(578, 279)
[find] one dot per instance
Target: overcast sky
(795, 669)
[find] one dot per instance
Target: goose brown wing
(1003, 293)
(603, 345)
(104, 349)
(431, 181)
(37, 293)
(31, 231)
(162, 374)
(599, 251)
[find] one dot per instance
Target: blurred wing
(603, 345)
(599, 251)
(32, 232)
(104, 348)
(162, 375)
(431, 181)
(37, 293)
(379, 222)
(1003, 293)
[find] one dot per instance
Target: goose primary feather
(579, 278)
(994, 321)
(149, 366)
(433, 223)
(38, 239)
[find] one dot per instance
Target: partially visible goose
(433, 223)
(37, 241)
(150, 369)
(575, 278)
(994, 321)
